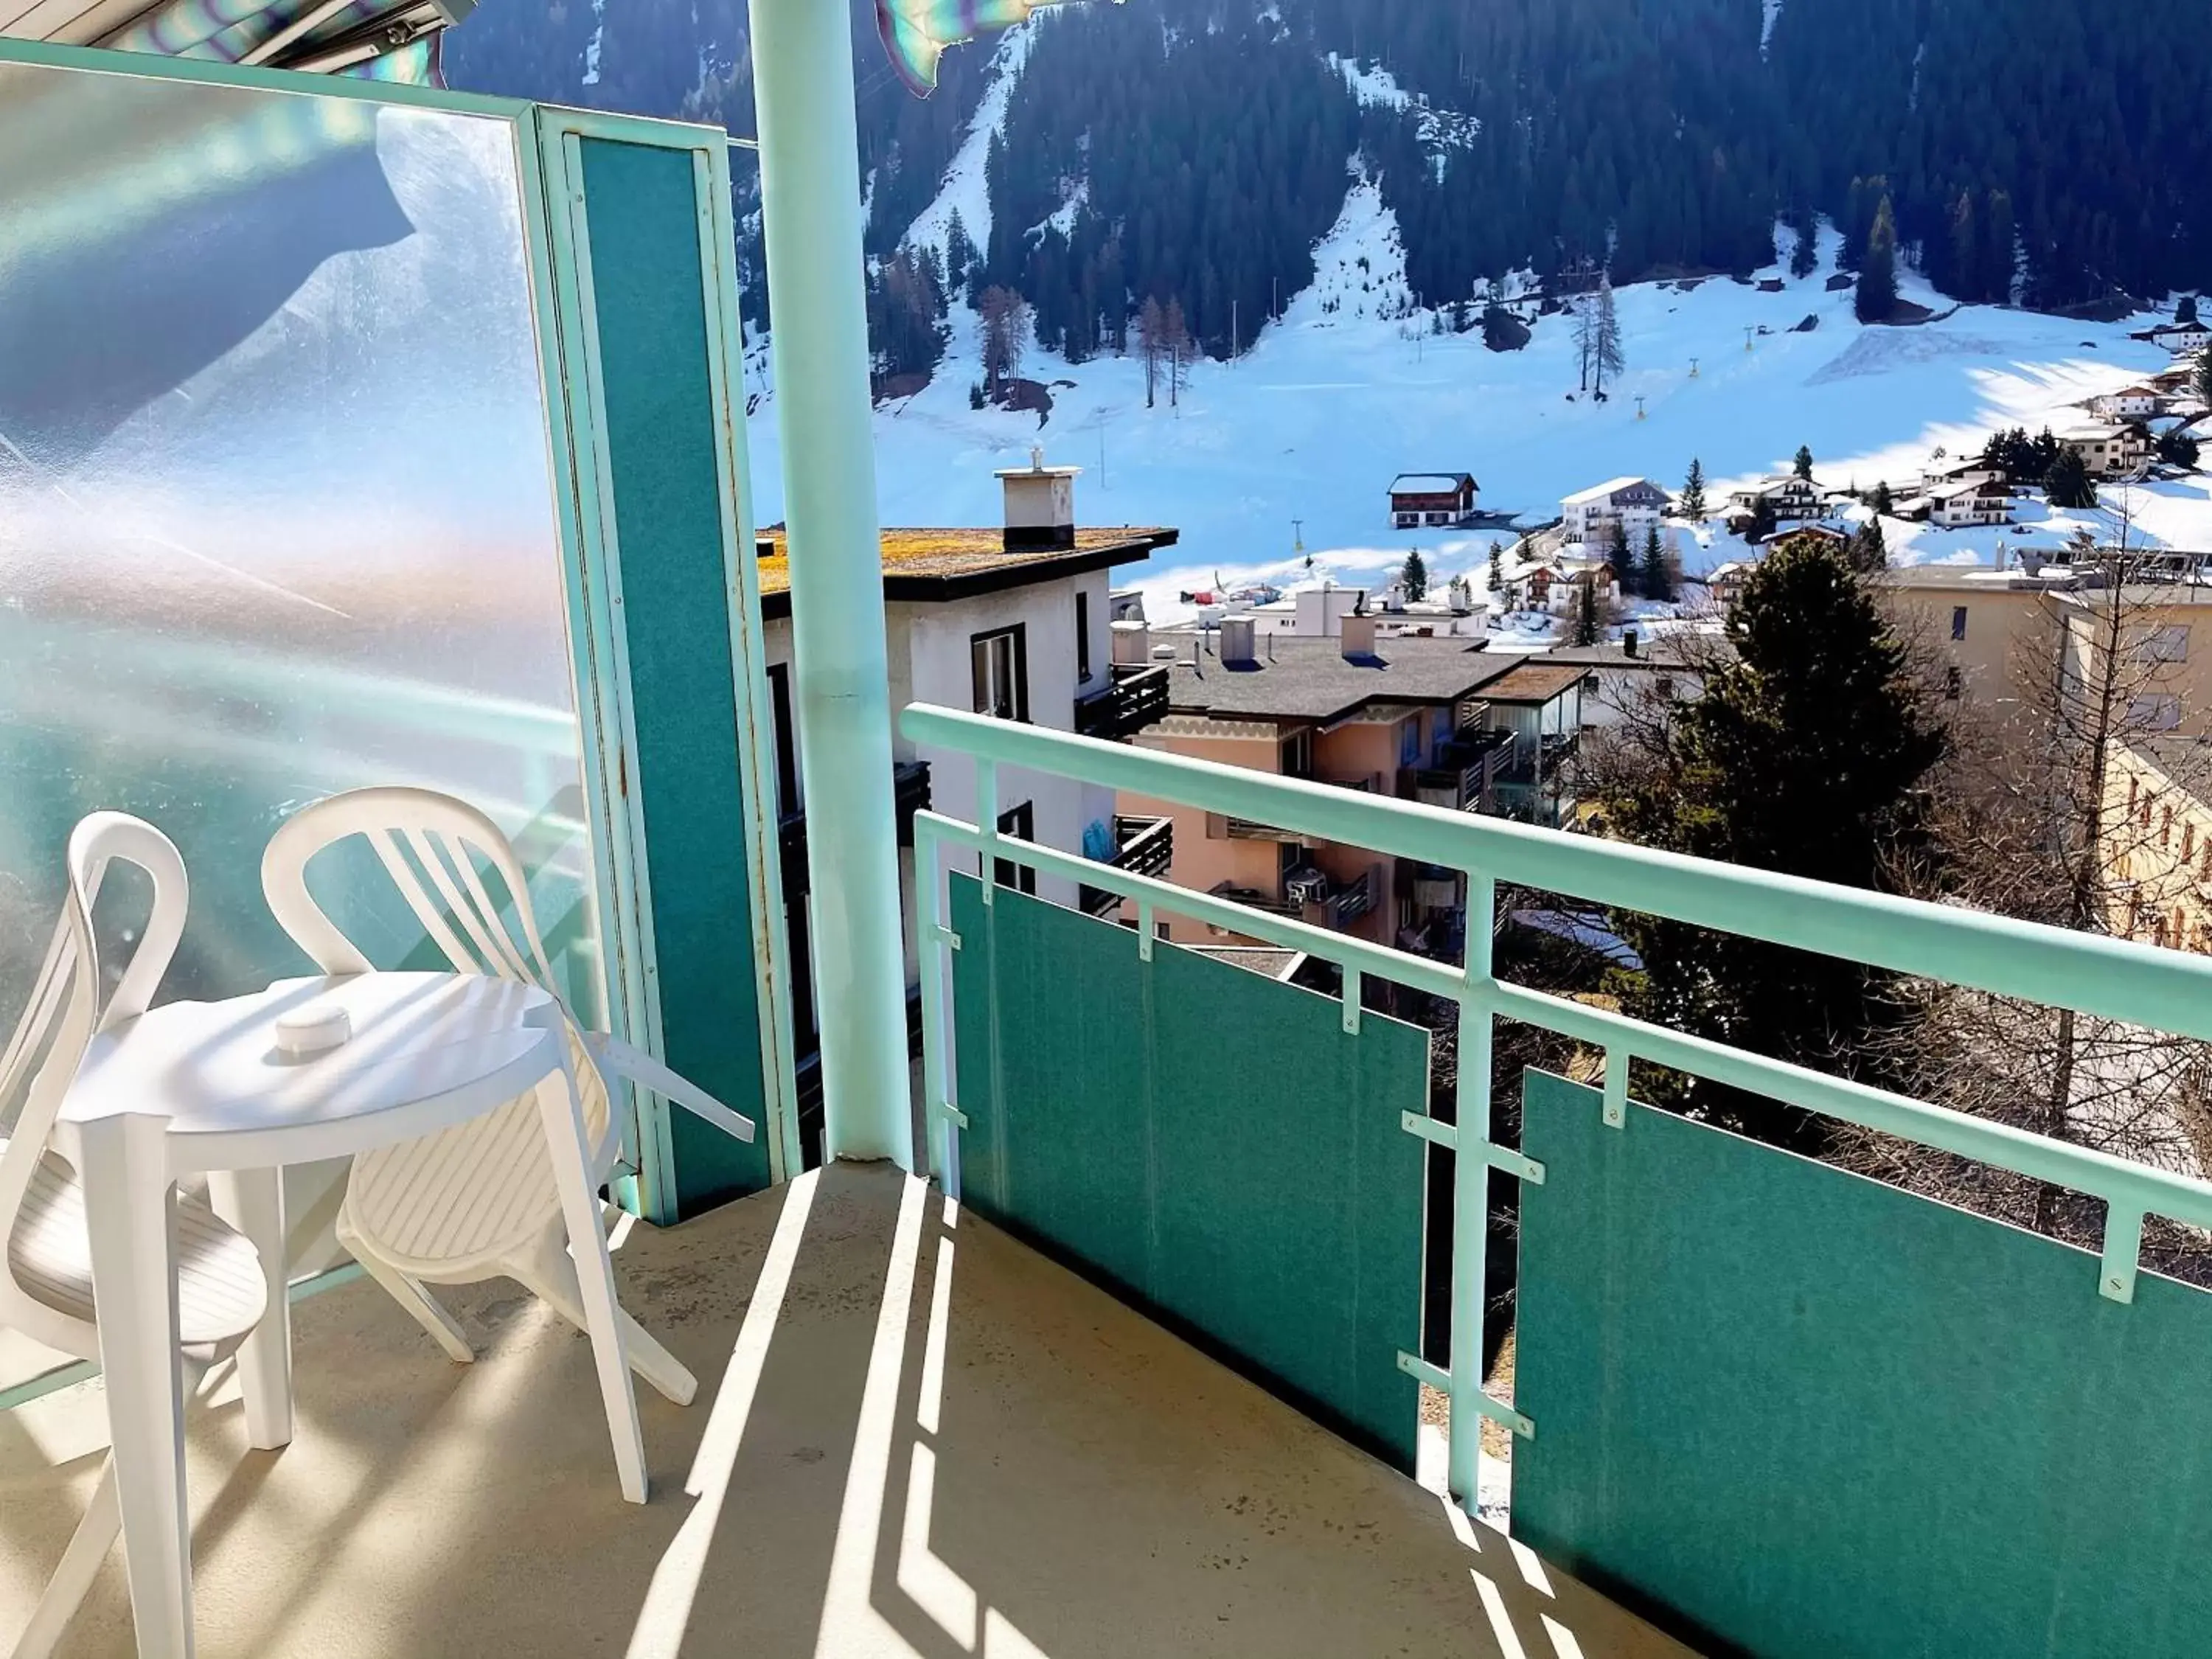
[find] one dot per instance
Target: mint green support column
(810, 212)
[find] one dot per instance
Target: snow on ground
(1375, 87)
(1288, 451)
(964, 189)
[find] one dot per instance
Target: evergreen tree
(1869, 549)
(1883, 502)
(1803, 754)
(1415, 576)
(2000, 250)
(1693, 490)
(1805, 257)
(1497, 566)
(2185, 310)
(1658, 580)
(1615, 549)
(1802, 465)
(1960, 274)
(959, 252)
(2068, 483)
(1586, 629)
(2179, 449)
(1763, 522)
(1605, 355)
(1877, 289)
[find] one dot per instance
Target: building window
(2165, 825)
(2144, 816)
(1020, 821)
(1954, 682)
(2133, 786)
(1297, 754)
(2154, 713)
(1000, 663)
(1409, 521)
(2164, 645)
(1290, 859)
(1409, 742)
(1957, 622)
(2188, 842)
(1083, 638)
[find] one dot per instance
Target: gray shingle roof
(1310, 679)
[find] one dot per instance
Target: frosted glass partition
(276, 514)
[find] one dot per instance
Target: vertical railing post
(1471, 1196)
(811, 215)
(935, 945)
(986, 821)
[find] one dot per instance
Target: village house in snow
(1794, 499)
(2179, 337)
(1430, 500)
(2178, 384)
(1634, 505)
(1556, 587)
(1724, 582)
(2130, 403)
(2109, 451)
(1959, 503)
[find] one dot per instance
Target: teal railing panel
(1213, 1142)
(662, 450)
(1805, 1413)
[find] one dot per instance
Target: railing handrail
(2091, 974)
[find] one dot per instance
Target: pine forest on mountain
(2056, 153)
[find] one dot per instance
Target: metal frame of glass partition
(2092, 974)
(557, 257)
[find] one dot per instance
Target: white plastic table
(202, 1088)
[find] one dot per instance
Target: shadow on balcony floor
(912, 1437)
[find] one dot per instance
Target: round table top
(426, 1049)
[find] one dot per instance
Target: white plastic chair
(45, 1273)
(478, 1201)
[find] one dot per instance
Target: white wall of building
(930, 661)
(939, 639)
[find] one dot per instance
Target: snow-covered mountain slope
(1302, 435)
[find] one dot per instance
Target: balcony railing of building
(1465, 768)
(1137, 698)
(1145, 847)
(1343, 903)
(1252, 898)
(909, 795)
(1788, 1408)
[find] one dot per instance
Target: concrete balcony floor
(912, 1437)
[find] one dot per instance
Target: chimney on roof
(1040, 505)
(1358, 638)
(1236, 643)
(1627, 642)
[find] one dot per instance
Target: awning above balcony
(378, 39)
